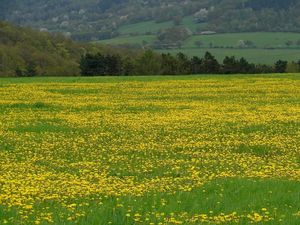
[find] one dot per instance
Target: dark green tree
(245, 67)
(31, 69)
(129, 66)
(19, 72)
(230, 65)
(114, 65)
(210, 64)
(184, 64)
(298, 63)
(149, 63)
(89, 65)
(196, 65)
(280, 66)
(262, 68)
(169, 64)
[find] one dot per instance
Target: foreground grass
(150, 150)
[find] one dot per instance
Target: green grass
(267, 47)
(190, 24)
(131, 40)
(280, 198)
(151, 26)
(259, 39)
(270, 47)
(115, 79)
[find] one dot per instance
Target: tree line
(150, 63)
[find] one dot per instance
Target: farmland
(267, 47)
(154, 150)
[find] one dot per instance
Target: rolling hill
(52, 54)
(103, 19)
(257, 47)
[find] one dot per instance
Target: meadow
(154, 150)
(267, 47)
(152, 26)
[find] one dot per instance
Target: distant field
(259, 40)
(152, 26)
(129, 40)
(270, 47)
(156, 150)
(266, 47)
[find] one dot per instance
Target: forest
(94, 19)
(24, 49)
(151, 63)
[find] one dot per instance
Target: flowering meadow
(150, 150)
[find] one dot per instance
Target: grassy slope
(53, 55)
(152, 26)
(77, 104)
(257, 55)
(129, 40)
(260, 39)
(263, 41)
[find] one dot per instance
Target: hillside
(257, 47)
(102, 19)
(52, 54)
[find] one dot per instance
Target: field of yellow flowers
(150, 150)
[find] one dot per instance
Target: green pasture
(261, 40)
(267, 48)
(153, 27)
